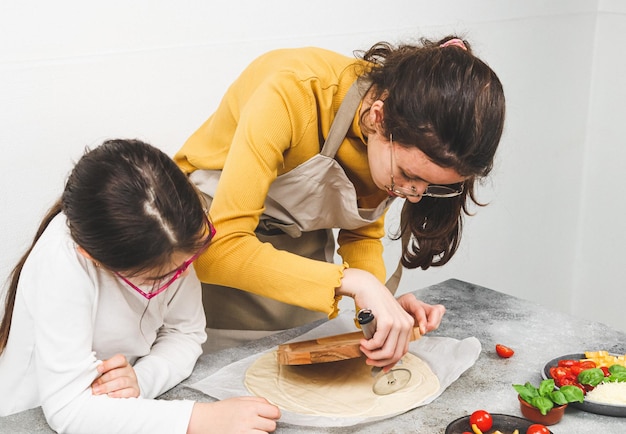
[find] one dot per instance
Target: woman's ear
(376, 114)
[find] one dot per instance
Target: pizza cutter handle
(366, 319)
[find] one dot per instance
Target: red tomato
(482, 419)
(588, 364)
(605, 370)
(577, 369)
(559, 374)
(537, 429)
(588, 387)
(568, 363)
(504, 352)
(553, 372)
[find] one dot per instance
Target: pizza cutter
(386, 382)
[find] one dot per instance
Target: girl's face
(151, 282)
(398, 168)
(158, 281)
(179, 267)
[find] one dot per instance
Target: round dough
(338, 389)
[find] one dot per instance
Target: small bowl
(532, 413)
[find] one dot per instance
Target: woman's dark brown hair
(129, 207)
(449, 104)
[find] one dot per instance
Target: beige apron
(297, 219)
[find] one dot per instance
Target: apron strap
(336, 135)
(345, 116)
(394, 280)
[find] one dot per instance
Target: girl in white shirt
(102, 313)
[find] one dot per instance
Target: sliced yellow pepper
(476, 429)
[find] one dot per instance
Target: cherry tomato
(553, 372)
(537, 429)
(605, 370)
(562, 376)
(504, 352)
(482, 419)
(588, 387)
(558, 373)
(568, 363)
(588, 364)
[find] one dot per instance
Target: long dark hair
(449, 104)
(129, 207)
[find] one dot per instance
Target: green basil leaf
(592, 376)
(527, 392)
(615, 369)
(546, 387)
(618, 376)
(572, 393)
(542, 403)
(558, 397)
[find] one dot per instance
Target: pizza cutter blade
(392, 381)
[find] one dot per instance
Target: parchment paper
(447, 357)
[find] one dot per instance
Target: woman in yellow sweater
(308, 140)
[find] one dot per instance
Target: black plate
(501, 422)
(588, 406)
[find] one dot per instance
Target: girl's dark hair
(129, 207)
(449, 104)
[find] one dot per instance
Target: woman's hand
(246, 414)
(117, 379)
(394, 318)
(427, 316)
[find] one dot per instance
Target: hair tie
(454, 41)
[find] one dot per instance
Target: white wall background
(73, 73)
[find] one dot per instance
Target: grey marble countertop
(536, 333)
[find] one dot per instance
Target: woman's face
(406, 168)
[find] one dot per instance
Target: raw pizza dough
(337, 389)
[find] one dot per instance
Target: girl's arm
(178, 343)
(243, 414)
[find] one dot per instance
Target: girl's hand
(246, 414)
(117, 379)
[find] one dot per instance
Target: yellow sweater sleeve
(269, 122)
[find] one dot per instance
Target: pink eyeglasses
(177, 273)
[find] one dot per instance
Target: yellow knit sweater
(270, 121)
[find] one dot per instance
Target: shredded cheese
(608, 393)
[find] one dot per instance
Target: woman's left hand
(427, 316)
(117, 379)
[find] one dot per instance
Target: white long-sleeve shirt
(69, 315)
